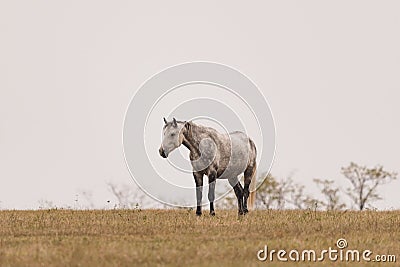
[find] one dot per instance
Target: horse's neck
(192, 142)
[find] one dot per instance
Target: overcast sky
(329, 70)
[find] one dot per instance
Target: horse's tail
(253, 184)
(252, 196)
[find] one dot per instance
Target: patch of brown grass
(179, 238)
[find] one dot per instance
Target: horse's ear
(165, 121)
(174, 122)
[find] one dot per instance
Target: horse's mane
(198, 127)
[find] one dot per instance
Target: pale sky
(68, 70)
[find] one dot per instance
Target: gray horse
(216, 155)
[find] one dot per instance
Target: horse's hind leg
(237, 187)
(248, 176)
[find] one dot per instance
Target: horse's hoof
(246, 211)
(212, 213)
(198, 213)
(240, 213)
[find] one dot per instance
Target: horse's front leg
(198, 179)
(212, 179)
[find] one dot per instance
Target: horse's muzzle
(162, 153)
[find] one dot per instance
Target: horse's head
(172, 137)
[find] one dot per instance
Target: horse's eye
(172, 134)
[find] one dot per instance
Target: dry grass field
(179, 238)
